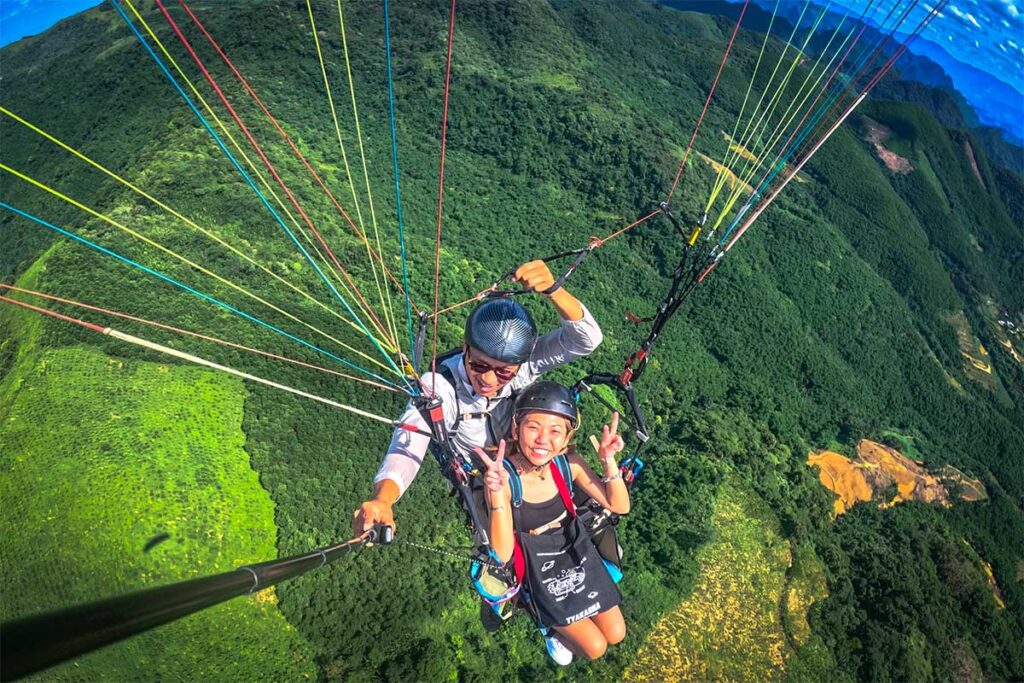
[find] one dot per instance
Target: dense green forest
(837, 318)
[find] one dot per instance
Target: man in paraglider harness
(467, 402)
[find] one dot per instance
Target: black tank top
(536, 515)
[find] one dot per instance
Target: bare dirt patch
(969, 151)
(990, 577)
(738, 148)
(879, 469)
(966, 668)
(877, 135)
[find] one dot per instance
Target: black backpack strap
(449, 376)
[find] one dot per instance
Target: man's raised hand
(535, 275)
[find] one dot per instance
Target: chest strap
(561, 474)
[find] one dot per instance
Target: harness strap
(562, 476)
(559, 478)
(515, 483)
(556, 522)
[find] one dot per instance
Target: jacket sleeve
(572, 340)
(408, 448)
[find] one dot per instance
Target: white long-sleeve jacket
(484, 421)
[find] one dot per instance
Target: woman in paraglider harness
(565, 584)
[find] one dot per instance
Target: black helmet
(503, 330)
(548, 397)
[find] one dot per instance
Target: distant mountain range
(996, 103)
(984, 101)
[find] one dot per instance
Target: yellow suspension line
(750, 167)
(173, 212)
(750, 129)
(338, 280)
(387, 306)
(179, 257)
(334, 116)
(733, 144)
(787, 118)
(198, 360)
(344, 154)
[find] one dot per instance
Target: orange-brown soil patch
(843, 477)
(877, 135)
(878, 468)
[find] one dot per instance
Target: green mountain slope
(838, 317)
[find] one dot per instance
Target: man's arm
(537, 276)
(578, 335)
(403, 459)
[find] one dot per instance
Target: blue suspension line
(255, 189)
(843, 83)
(176, 283)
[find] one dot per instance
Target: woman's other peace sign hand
(611, 442)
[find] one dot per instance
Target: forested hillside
(866, 303)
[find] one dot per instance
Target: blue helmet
(503, 330)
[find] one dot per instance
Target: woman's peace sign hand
(495, 475)
(611, 442)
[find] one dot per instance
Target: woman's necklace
(541, 472)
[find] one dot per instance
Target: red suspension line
(807, 113)
(851, 85)
(121, 336)
(861, 96)
(600, 241)
(234, 115)
(652, 214)
(53, 314)
(189, 333)
(440, 188)
(287, 138)
(707, 101)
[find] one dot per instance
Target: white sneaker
(560, 653)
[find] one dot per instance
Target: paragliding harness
(492, 580)
(497, 584)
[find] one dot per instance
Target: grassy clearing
(101, 455)
(730, 627)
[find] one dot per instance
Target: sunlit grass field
(100, 455)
